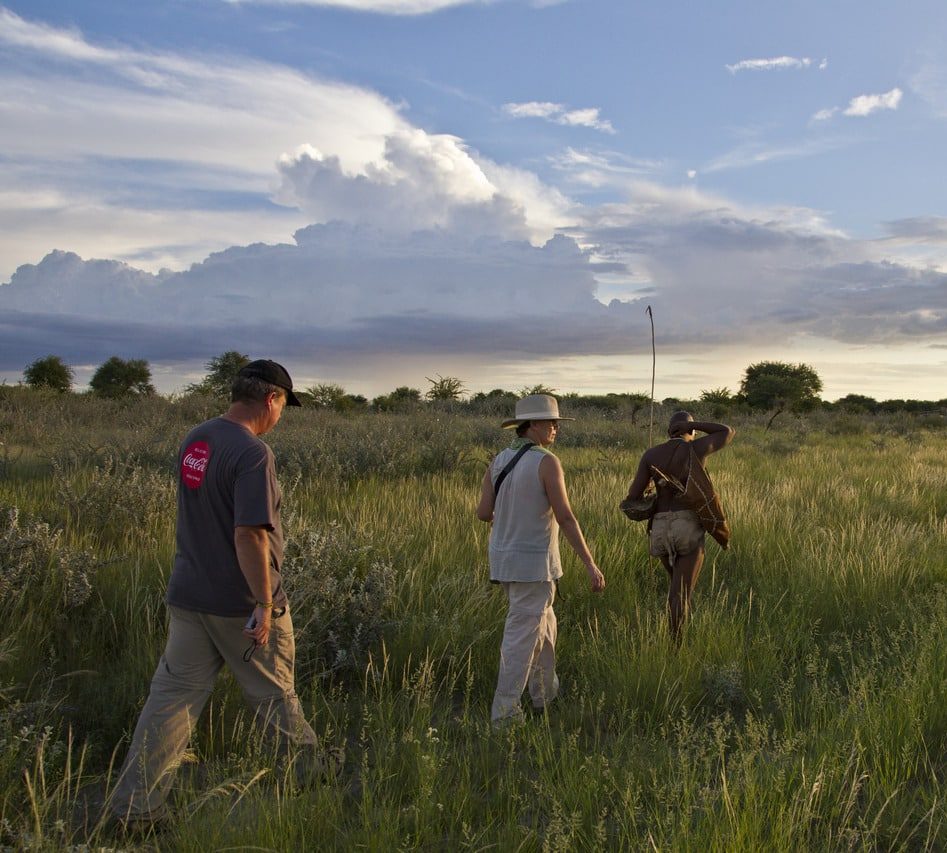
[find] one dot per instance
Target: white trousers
(528, 651)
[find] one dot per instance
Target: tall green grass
(805, 708)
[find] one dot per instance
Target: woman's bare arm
(487, 497)
(554, 482)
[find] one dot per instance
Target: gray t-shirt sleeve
(256, 491)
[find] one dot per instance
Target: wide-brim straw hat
(535, 407)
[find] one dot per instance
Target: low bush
(341, 591)
(35, 563)
(117, 500)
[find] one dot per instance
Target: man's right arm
(252, 545)
(640, 483)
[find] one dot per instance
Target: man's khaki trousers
(198, 646)
(528, 651)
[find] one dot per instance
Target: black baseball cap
(275, 374)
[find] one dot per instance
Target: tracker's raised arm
(718, 436)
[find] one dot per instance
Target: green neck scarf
(520, 441)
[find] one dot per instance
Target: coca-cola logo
(194, 464)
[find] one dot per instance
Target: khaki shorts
(675, 533)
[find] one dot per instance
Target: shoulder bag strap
(509, 467)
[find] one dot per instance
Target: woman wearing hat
(524, 495)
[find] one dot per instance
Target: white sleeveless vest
(524, 539)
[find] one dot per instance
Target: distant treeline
(771, 386)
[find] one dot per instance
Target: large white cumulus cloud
(422, 181)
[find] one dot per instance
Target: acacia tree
(493, 402)
(779, 385)
(329, 395)
(719, 400)
(536, 389)
(401, 399)
(49, 372)
(325, 395)
(119, 378)
(857, 403)
(638, 401)
(445, 388)
(495, 394)
(222, 369)
(716, 396)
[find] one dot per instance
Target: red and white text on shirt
(194, 464)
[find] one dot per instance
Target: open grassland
(805, 710)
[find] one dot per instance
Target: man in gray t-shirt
(225, 599)
(227, 479)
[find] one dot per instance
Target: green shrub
(846, 424)
(118, 500)
(341, 593)
(35, 564)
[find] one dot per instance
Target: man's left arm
(252, 544)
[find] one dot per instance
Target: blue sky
(490, 190)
